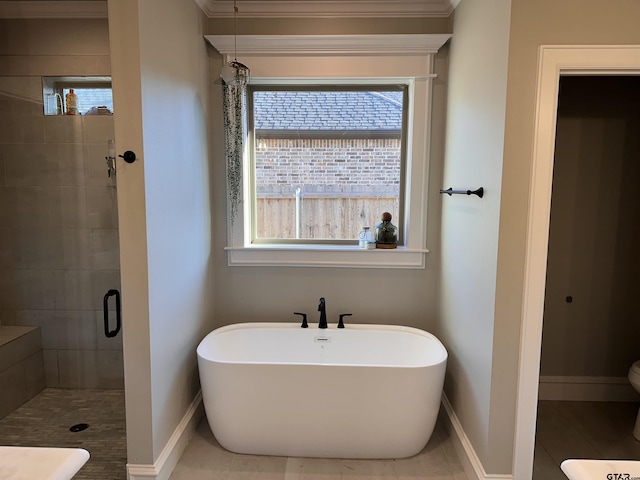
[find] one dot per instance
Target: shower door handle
(105, 307)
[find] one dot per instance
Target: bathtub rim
(443, 357)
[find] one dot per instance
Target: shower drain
(78, 427)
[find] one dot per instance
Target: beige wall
(161, 85)
(483, 392)
(595, 222)
(404, 297)
(533, 24)
(54, 47)
(326, 26)
(469, 230)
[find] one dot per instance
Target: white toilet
(634, 378)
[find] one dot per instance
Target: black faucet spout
(323, 314)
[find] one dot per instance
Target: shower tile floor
(582, 430)
(204, 458)
(44, 421)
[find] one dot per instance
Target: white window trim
(343, 59)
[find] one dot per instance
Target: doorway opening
(587, 408)
(554, 62)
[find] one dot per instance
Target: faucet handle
(304, 319)
(341, 322)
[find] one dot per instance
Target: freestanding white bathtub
(365, 391)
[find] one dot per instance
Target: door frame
(553, 61)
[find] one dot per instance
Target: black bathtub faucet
(323, 314)
(304, 319)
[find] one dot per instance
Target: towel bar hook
(450, 191)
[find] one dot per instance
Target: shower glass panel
(59, 238)
(59, 235)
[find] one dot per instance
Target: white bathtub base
(333, 430)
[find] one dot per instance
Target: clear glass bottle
(386, 233)
(366, 237)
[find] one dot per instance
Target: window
(327, 160)
(91, 100)
(334, 64)
(94, 95)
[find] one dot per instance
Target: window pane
(327, 162)
(89, 99)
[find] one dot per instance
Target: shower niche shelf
(94, 95)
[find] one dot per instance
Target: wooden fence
(321, 218)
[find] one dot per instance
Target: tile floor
(582, 430)
(565, 430)
(204, 458)
(45, 421)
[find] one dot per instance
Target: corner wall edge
(468, 456)
(162, 468)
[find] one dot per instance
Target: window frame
(360, 59)
(338, 86)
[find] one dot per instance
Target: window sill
(326, 256)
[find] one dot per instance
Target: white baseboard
(470, 461)
(592, 389)
(168, 459)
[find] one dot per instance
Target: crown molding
(264, 45)
(53, 9)
(248, 9)
(328, 8)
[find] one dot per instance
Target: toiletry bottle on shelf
(72, 102)
(386, 233)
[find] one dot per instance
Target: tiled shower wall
(59, 250)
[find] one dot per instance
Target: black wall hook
(450, 191)
(128, 156)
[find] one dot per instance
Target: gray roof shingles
(328, 110)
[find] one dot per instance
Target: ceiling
(246, 8)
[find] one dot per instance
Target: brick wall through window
(348, 167)
(344, 184)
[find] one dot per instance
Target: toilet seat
(635, 368)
